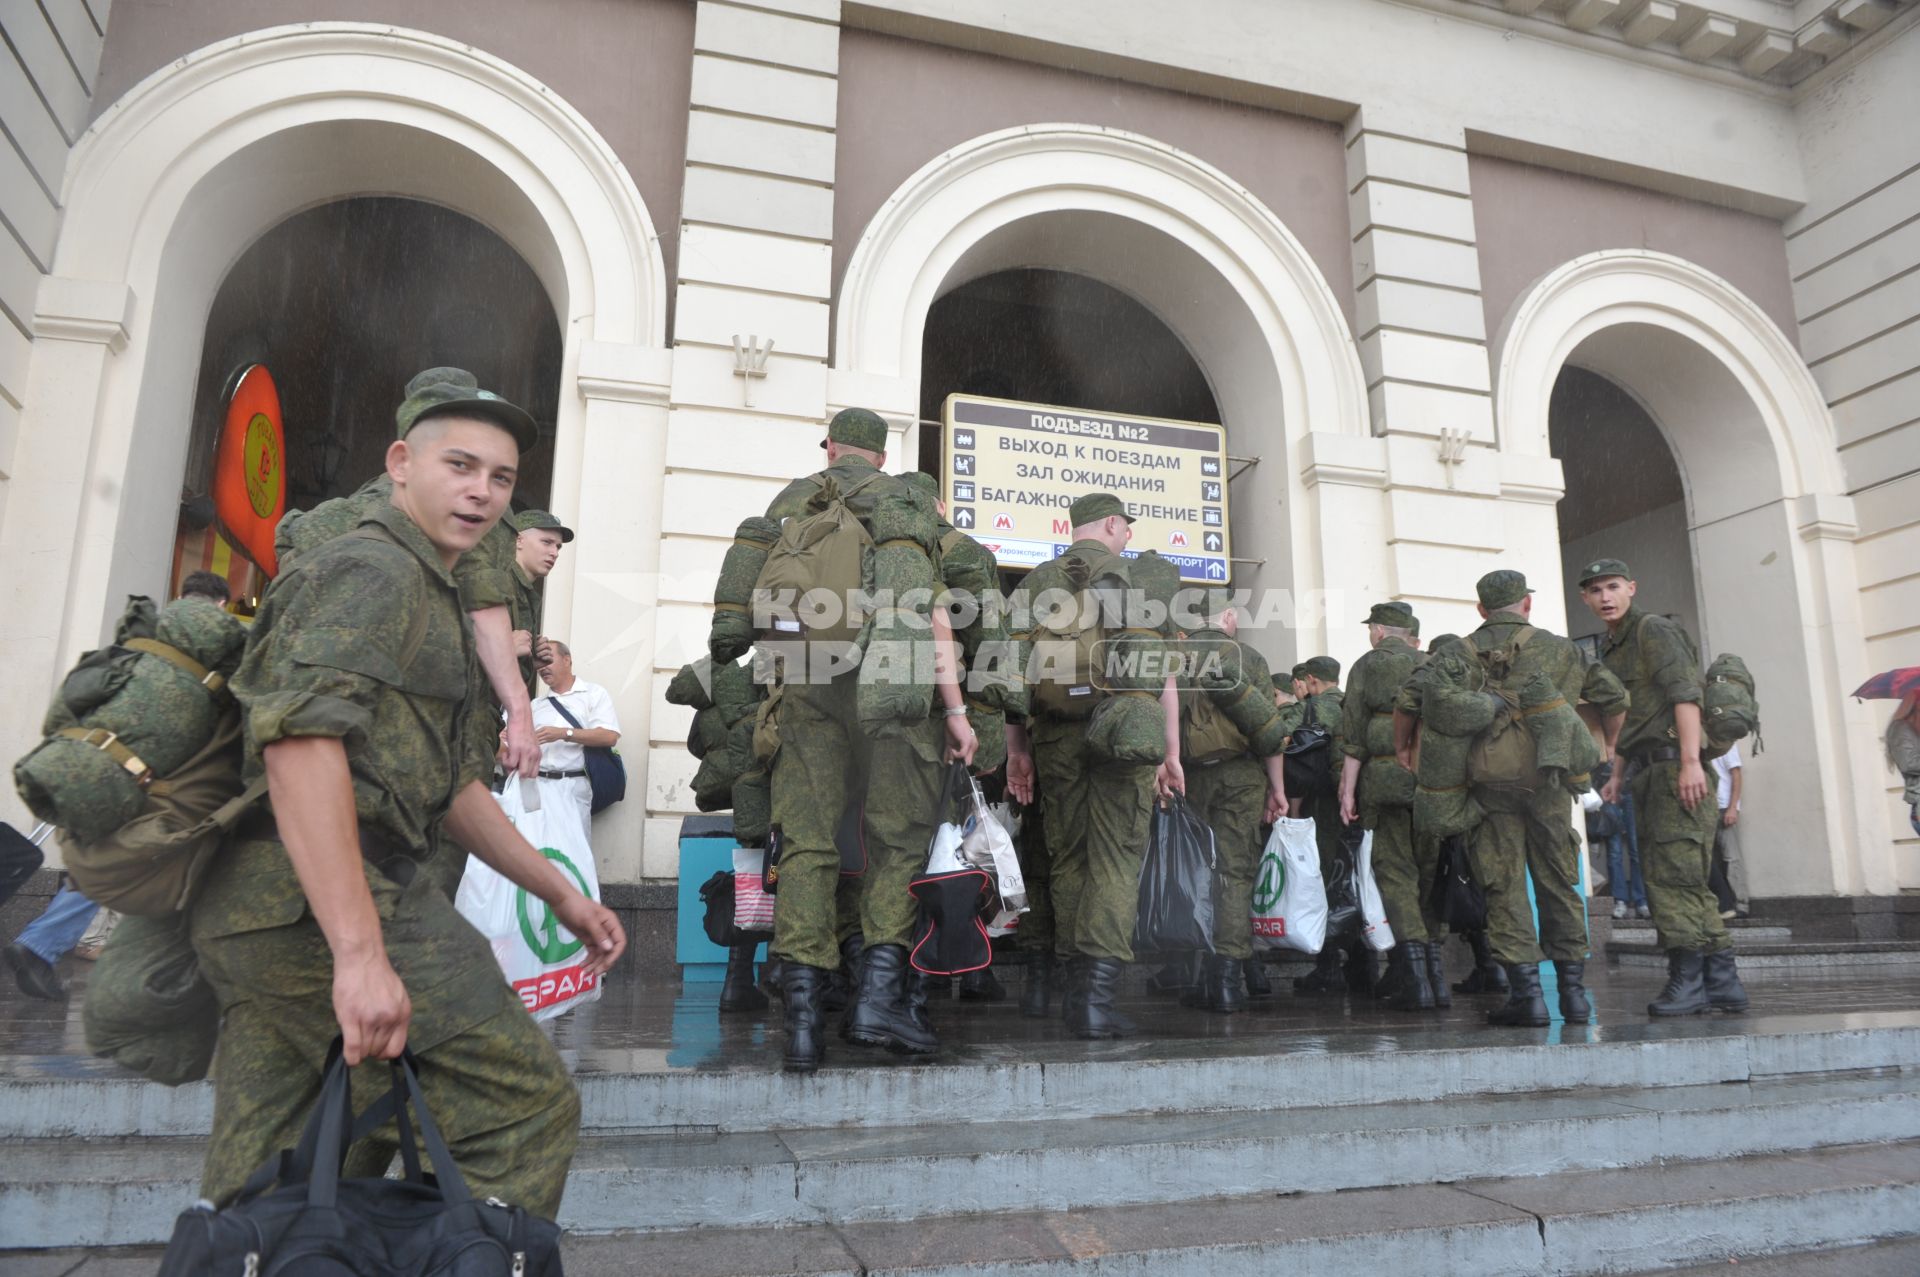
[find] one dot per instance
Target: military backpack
(818, 569)
(1502, 756)
(1067, 681)
(1208, 735)
(1729, 710)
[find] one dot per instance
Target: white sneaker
(1643, 911)
(1619, 909)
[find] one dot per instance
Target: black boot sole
(892, 1042)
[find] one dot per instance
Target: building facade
(1480, 283)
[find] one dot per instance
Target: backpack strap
(109, 744)
(214, 683)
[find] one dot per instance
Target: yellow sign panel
(1012, 469)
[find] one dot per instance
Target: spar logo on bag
(1267, 891)
(548, 941)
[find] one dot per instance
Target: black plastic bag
(1346, 921)
(717, 894)
(1457, 899)
(1177, 888)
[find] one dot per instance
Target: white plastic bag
(752, 906)
(1373, 911)
(986, 843)
(542, 960)
(1289, 899)
(1006, 919)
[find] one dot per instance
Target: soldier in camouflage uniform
(1377, 792)
(356, 689)
(1660, 749)
(1233, 789)
(824, 749)
(1318, 681)
(536, 550)
(1097, 809)
(1531, 834)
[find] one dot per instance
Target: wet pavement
(659, 1026)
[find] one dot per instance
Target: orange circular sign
(249, 468)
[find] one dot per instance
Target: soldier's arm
(312, 793)
(477, 823)
(493, 641)
(1351, 738)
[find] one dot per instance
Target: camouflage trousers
(1231, 797)
(1098, 812)
(1036, 930)
(1526, 835)
(1676, 856)
(824, 751)
(1405, 863)
(495, 1085)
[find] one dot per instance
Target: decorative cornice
(83, 310)
(1761, 42)
(1829, 530)
(1349, 476)
(621, 390)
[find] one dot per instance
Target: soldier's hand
(522, 643)
(595, 926)
(372, 1007)
(521, 753)
(1693, 783)
(1349, 810)
(1020, 775)
(1170, 779)
(1276, 805)
(1610, 792)
(961, 741)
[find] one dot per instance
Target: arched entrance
(170, 186)
(1767, 523)
(1200, 253)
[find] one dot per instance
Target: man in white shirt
(563, 744)
(1726, 843)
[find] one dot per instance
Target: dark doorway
(1625, 496)
(1047, 336)
(343, 304)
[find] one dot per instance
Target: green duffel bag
(147, 1007)
(1129, 727)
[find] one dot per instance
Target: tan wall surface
(1531, 219)
(903, 102)
(626, 65)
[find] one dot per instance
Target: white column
(1423, 344)
(755, 263)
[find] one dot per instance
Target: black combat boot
(770, 978)
(1724, 989)
(1574, 1007)
(841, 983)
(1360, 969)
(881, 1014)
(917, 981)
(1394, 978)
(801, 988)
(1179, 977)
(1526, 1006)
(1437, 973)
(1487, 975)
(981, 986)
(1686, 991)
(1219, 987)
(1258, 986)
(1036, 987)
(738, 992)
(1094, 1016)
(1416, 990)
(1074, 996)
(1325, 976)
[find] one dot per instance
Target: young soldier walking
(1234, 783)
(1659, 748)
(322, 916)
(1530, 834)
(1322, 703)
(1377, 792)
(823, 746)
(1097, 808)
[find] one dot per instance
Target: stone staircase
(1640, 1147)
(1769, 942)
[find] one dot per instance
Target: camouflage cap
(1605, 567)
(1298, 672)
(446, 392)
(1324, 668)
(1094, 507)
(857, 428)
(1214, 600)
(1503, 588)
(529, 520)
(1397, 615)
(922, 482)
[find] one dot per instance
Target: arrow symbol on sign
(1213, 540)
(963, 518)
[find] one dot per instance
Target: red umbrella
(1892, 686)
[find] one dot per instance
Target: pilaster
(755, 267)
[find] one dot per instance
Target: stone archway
(1197, 249)
(179, 176)
(1770, 524)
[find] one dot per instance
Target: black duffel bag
(296, 1215)
(1457, 899)
(1308, 765)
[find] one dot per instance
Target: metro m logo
(1061, 527)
